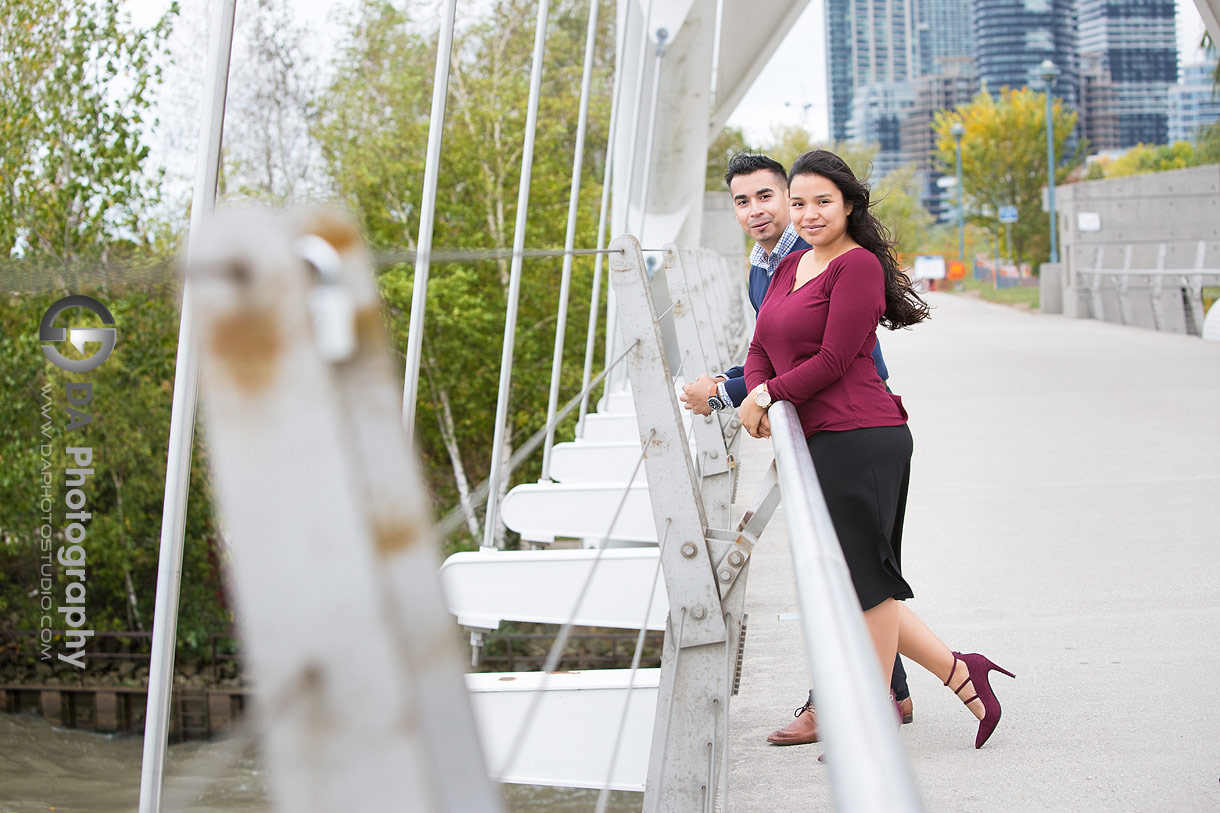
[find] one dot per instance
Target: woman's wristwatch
(762, 397)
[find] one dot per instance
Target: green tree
(128, 431)
(1004, 161)
(373, 132)
(895, 202)
(1209, 144)
(731, 141)
(1144, 158)
(73, 100)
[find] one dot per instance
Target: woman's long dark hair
(903, 307)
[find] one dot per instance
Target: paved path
(1065, 521)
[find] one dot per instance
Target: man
(759, 186)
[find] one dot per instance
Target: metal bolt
(736, 558)
(689, 550)
(726, 575)
(699, 613)
(714, 455)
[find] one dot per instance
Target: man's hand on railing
(695, 394)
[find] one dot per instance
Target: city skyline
(776, 98)
(791, 90)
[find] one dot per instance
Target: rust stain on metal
(393, 536)
(334, 228)
(370, 330)
(248, 345)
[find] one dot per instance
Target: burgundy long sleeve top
(813, 346)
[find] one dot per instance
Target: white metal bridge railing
(320, 750)
(315, 747)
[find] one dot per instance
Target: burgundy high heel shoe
(978, 669)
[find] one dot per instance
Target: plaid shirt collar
(771, 261)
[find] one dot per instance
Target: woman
(813, 347)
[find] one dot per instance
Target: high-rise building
(954, 85)
(1193, 103)
(867, 42)
(1097, 112)
(875, 49)
(946, 34)
(1013, 37)
(1136, 43)
(877, 113)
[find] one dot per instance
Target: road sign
(1008, 214)
(957, 270)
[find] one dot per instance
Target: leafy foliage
(128, 432)
(1144, 158)
(73, 98)
(372, 126)
(1004, 161)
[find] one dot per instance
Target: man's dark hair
(747, 163)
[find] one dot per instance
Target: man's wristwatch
(716, 403)
(762, 398)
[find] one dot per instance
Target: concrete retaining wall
(1127, 220)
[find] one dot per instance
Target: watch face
(715, 403)
(763, 399)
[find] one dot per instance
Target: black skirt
(864, 475)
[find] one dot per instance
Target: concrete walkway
(1064, 520)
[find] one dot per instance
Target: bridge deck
(1065, 520)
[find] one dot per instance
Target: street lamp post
(1048, 72)
(958, 130)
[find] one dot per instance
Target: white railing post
(182, 421)
(569, 241)
(427, 218)
(602, 217)
(491, 523)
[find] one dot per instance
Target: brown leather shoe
(906, 709)
(801, 731)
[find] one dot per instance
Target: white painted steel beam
(587, 462)
(601, 427)
(674, 189)
(572, 735)
(686, 119)
(689, 738)
(713, 461)
(484, 588)
(752, 33)
(333, 563)
(617, 401)
(542, 512)
(1209, 10)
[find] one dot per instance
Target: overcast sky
(772, 98)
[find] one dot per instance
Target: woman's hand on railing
(754, 418)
